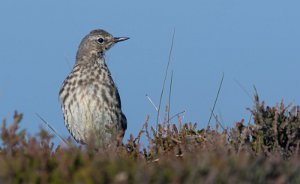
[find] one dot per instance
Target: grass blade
(52, 129)
(213, 109)
(165, 78)
(170, 92)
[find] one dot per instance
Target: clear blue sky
(254, 42)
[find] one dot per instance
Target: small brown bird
(89, 98)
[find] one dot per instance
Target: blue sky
(252, 42)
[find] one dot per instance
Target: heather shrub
(264, 150)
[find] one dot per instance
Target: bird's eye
(100, 40)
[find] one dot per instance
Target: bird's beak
(120, 39)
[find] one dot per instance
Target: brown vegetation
(266, 150)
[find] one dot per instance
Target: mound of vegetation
(265, 150)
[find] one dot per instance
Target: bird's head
(95, 44)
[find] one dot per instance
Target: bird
(89, 97)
